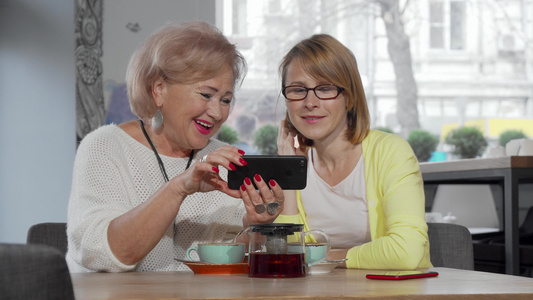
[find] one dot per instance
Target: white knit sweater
(114, 173)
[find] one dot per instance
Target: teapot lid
(277, 229)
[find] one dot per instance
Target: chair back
(450, 246)
(51, 234)
(37, 272)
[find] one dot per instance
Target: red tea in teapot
(276, 265)
(277, 250)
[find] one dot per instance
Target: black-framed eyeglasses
(322, 92)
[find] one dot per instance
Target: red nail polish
(215, 169)
(243, 188)
(241, 152)
(257, 177)
(242, 161)
(247, 180)
(231, 166)
(272, 182)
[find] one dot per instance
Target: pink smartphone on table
(402, 275)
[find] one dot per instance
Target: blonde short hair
(179, 53)
(324, 57)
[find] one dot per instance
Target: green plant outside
(228, 135)
(511, 134)
(265, 139)
(468, 142)
(423, 144)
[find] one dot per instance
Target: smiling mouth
(312, 118)
(203, 124)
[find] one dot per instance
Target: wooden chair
(51, 234)
(37, 272)
(450, 246)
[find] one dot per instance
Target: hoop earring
(157, 119)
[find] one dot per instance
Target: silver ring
(272, 207)
(260, 208)
(204, 158)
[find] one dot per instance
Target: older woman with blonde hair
(144, 191)
(364, 187)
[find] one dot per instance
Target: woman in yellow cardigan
(364, 187)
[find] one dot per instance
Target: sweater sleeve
(98, 195)
(396, 206)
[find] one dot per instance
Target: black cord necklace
(159, 161)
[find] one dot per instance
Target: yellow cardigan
(396, 208)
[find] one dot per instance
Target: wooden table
(507, 171)
(340, 284)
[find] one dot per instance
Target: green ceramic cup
(314, 252)
(218, 253)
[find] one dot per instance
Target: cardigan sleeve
(396, 205)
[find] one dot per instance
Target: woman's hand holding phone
(287, 145)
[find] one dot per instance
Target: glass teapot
(279, 249)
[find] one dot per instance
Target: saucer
(323, 267)
(217, 269)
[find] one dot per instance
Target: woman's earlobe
(157, 91)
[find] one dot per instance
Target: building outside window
(447, 25)
(472, 60)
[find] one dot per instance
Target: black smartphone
(289, 171)
(401, 275)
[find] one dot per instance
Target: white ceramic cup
(434, 217)
(526, 148)
(513, 146)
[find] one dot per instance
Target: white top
(340, 211)
(114, 173)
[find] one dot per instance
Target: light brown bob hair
(324, 58)
(179, 53)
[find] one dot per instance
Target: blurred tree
(511, 134)
(228, 135)
(468, 142)
(400, 54)
(423, 144)
(266, 139)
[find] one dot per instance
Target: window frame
(446, 26)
